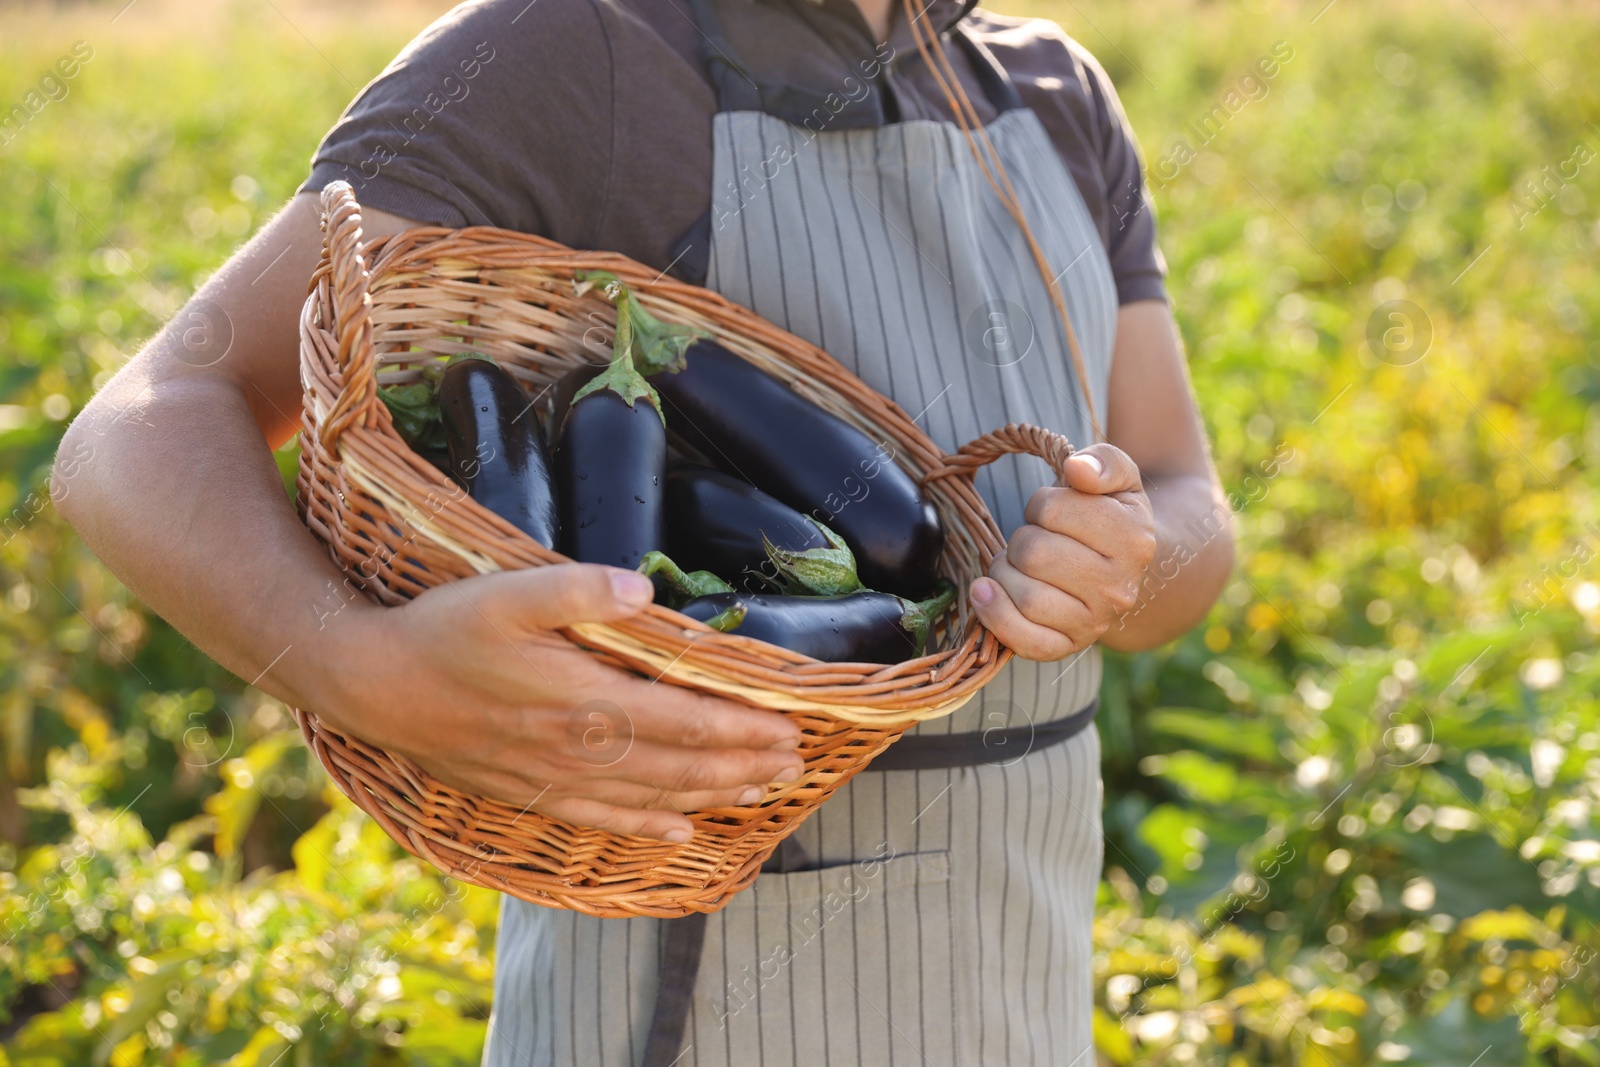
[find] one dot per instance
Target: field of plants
(1351, 819)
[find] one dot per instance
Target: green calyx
(684, 585)
(622, 376)
(827, 571)
(656, 345)
(433, 373)
(918, 619)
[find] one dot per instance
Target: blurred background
(1349, 820)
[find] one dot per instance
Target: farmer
(802, 158)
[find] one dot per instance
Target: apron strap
(917, 752)
(736, 87)
(996, 83)
(685, 937)
(680, 964)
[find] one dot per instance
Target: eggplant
(718, 523)
(861, 627)
(611, 454)
(750, 424)
(561, 393)
(495, 449)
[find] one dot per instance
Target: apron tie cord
(994, 170)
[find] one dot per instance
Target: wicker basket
(398, 526)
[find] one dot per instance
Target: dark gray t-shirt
(589, 121)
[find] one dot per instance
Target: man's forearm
(1194, 555)
(173, 487)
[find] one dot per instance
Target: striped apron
(937, 909)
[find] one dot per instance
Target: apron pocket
(852, 963)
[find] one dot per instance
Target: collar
(945, 15)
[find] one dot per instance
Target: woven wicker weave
(398, 526)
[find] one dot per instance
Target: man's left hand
(1066, 576)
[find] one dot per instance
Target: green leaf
(1111, 1039)
(1445, 658)
(1226, 733)
(415, 410)
(1458, 1037)
(288, 460)
(1471, 873)
(234, 806)
(313, 849)
(148, 996)
(1202, 778)
(445, 1042)
(265, 1049)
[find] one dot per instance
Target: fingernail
(751, 795)
(632, 589)
(982, 591)
(788, 742)
(1093, 461)
(679, 837)
(789, 774)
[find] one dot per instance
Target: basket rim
(677, 645)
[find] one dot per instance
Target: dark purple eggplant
(496, 452)
(750, 424)
(561, 393)
(611, 454)
(860, 627)
(718, 523)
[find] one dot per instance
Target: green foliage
(415, 410)
(169, 955)
(1349, 820)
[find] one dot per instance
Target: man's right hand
(469, 681)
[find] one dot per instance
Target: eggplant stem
(657, 345)
(686, 585)
(918, 619)
(621, 376)
(728, 619)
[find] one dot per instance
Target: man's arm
(1134, 548)
(174, 486)
(1153, 419)
(168, 475)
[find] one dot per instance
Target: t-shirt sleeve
(456, 129)
(1136, 260)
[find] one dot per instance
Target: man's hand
(470, 681)
(1066, 576)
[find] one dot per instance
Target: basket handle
(1048, 445)
(351, 311)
